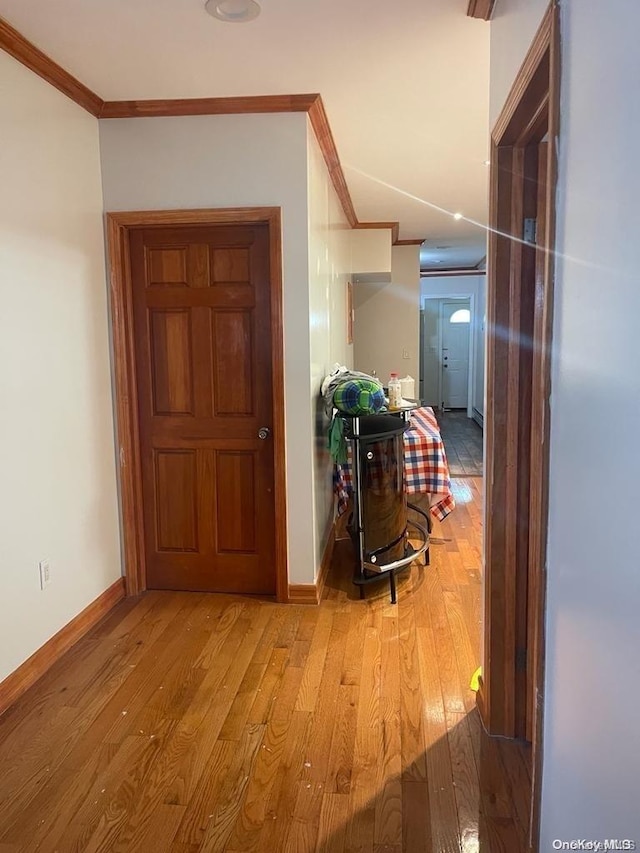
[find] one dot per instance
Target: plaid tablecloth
(425, 466)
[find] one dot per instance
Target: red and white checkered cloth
(425, 465)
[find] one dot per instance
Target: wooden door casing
(519, 351)
(202, 340)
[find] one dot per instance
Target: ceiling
(405, 84)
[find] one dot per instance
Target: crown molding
(482, 9)
(322, 130)
(208, 106)
(16, 45)
(434, 273)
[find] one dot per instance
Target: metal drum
(382, 494)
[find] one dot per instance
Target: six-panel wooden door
(202, 330)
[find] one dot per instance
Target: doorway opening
(519, 314)
(442, 371)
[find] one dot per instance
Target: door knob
(264, 432)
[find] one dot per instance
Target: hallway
(462, 441)
(189, 722)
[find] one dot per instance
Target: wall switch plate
(45, 573)
(405, 354)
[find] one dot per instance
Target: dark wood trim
(506, 387)
(495, 423)
(542, 395)
(327, 557)
(417, 242)
(277, 365)
(14, 685)
(209, 106)
(481, 699)
(16, 45)
(303, 593)
(450, 272)
(322, 130)
(118, 225)
(481, 9)
(126, 409)
(519, 314)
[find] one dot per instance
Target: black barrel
(379, 444)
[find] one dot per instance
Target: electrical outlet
(45, 573)
(405, 354)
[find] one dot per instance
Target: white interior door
(455, 320)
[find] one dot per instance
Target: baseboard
(311, 593)
(303, 593)
(33, 668)
(327, 557)
(478, 417)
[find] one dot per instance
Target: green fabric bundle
(359, 397)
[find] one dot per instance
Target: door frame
(472, 340)
(514, 442)
(119, 224)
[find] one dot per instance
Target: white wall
(591, 773)
(430, 361)
(592, 768)
(387, 319)
(465, 285)
(371, 252)
(236, 161)
(513, 27)
(329, 272)
(57, 461)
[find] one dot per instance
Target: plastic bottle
(395, 391)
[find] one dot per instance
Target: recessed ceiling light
(487, 162)
(457, 216)
(233, 11)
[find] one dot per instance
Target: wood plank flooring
(462, 439)
(189, 722)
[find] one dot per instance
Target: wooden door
(202, 328)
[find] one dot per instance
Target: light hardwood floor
(190, 722)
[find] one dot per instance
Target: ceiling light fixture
(457, 216)
(233, 11)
